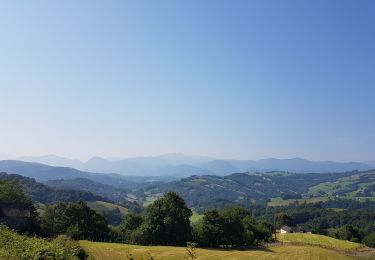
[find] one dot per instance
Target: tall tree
(211, 229)
(167, 221)
(74, 219)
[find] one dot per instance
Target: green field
(102, 251)
(319, 240)
(275, 202)
(350, 186)
(105, 206)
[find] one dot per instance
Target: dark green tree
(129, 224)
(167, 221)
(75, 219)
(233, 226)
(283, 218)
(11, 192)
(210, 230)
(369, 240)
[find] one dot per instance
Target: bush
(15, 246)
(369, 240)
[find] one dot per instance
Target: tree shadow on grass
(242, 249)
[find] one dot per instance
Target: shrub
(15, 246)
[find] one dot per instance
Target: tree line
(165, 222)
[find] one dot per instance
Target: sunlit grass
(319, 240)
(120, 251)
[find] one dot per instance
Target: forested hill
(41, 193)
(209, 191)
(83, 184)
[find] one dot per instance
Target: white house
(287, 229)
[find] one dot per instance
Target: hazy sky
(231, 79)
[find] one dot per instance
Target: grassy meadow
(275, 202)
(101, 251)
(105, 206)
(319, 240)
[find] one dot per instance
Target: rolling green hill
(278, 201)
(107, 206)
(321, 241)
(43, 194)
(356, 185)
(202, 192)
(84, 184)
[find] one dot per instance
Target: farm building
(287, 229)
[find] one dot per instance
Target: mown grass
(319, 240)
(101, 251)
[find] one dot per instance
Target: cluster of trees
(164, 222)
(41, 193)
(231, 226)
(167, 222)
(11, 192)
(76, 220)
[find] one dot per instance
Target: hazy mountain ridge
(42, 172)
(183, 166)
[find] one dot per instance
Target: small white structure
(287, 229)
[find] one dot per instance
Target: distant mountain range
(41, 172)
(371, 163)
(179, 165)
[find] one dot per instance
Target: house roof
(286, 228)
(292, 229)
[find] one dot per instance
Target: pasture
(101, 251)
(319, 240)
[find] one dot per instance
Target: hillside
(84, 184)
(41, 193)
(322, 241)
(355, 185)
(289, 246)
(42, 172)
(101, 251)
(207, 191)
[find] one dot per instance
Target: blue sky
(230, 79)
